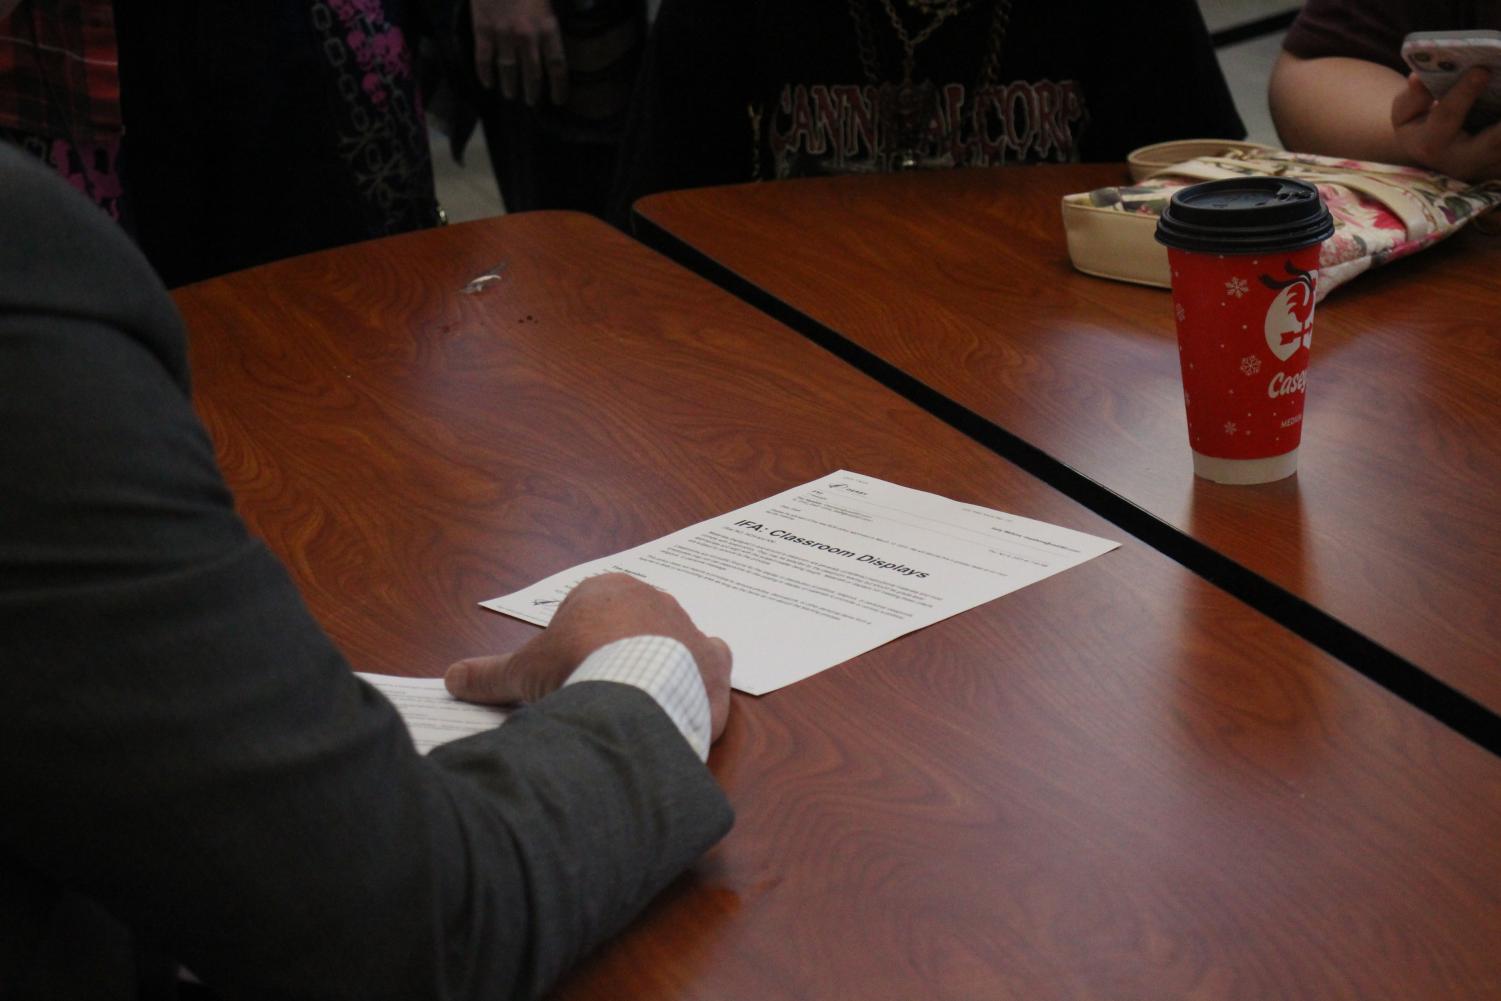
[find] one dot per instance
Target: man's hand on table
(599, 611)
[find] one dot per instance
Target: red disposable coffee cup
(1244, 255)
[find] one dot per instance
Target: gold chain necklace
(911, 42)
(907, 108)
(934, 6)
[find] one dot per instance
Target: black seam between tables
(1392, 672)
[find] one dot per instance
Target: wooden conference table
(1120, 782)
(956, 286)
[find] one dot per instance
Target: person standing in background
(224, 135)
(551, 82)
(1340, 87)
(738, 91)
(60, 92)
(259, 131)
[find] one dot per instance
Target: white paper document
(823, 572)
(432, 715)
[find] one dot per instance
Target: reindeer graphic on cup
(1289, 324)
(1289, 318)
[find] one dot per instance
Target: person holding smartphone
(1341, 87)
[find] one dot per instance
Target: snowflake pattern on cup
(1244, 357)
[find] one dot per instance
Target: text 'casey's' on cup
(1244, 254)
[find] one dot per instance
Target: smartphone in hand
(1440, 58)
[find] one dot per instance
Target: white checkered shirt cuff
(662, 668)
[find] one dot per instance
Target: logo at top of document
(1289, 319)
(847, 488)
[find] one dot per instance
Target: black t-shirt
(736, 90)
(1373, 29)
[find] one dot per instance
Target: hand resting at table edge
(599, 611)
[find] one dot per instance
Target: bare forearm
(1336, 106)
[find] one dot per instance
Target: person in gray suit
(191, 776)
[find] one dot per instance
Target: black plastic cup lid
(1245, 215)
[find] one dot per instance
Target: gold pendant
(906, 112)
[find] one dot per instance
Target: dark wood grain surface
(1118, 783)
(961, 279)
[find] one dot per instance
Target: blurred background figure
(736, 91)
(224, 135)
(60, 91)
(550, 82)
(258, 131)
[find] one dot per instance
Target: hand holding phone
(1440, 58)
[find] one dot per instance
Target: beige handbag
(1381, 212)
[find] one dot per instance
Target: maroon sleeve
(1371, 29)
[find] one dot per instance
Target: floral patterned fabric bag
(1381, 212)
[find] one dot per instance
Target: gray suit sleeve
(183, 743)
